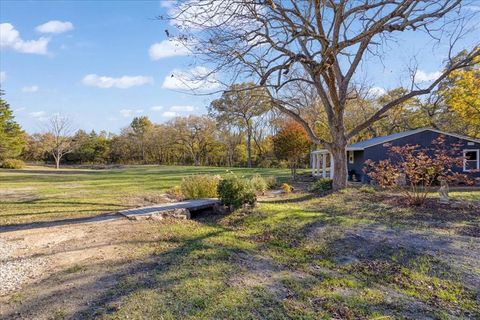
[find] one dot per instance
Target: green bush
(271, 182)
(13, 164)
(258, 183)
(235, 191)
(323, 184)
(199, 186)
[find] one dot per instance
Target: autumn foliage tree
(418, 168)
(464, 97)
(292, 144)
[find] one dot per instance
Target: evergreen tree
(12, 137)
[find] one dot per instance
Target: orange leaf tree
(292, 144)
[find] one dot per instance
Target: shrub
(199, 186)
(175, 192)
(13, 164)
(271, 182)
(235, 191)
(323, 184)
(417, 169)
(287, 188)
(265, 163)
(258, 183)
(282, 164)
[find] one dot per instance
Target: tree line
(240, 129)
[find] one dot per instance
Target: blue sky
(104, 62)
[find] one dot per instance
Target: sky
(101, 63)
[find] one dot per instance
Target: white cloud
(3, 76)
(167, 48)
(30, 89)
(55, 26)
(376, 91)
(198, 78)
(182, 108)
(423, 76)
(10, 38)
(169, 114)
(40, 115)
(121, 82)
(156, 108)
(127, 113)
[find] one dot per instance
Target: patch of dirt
(24, 194)
(263, 271)
(368, 243)
(77, 260)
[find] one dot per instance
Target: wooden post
(332, 166)
(324, 165)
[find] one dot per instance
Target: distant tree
(89, 147)
(33, 150)
(239, 106)
(141, 126)
(196, 136)
(292, 143)
(58, 140)
(12, 137)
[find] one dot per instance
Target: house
(377, 149)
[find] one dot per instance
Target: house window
(351, 158)
(471, 160)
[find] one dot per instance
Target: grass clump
(367, 189)
(235, 191)
(12, 164)
(259, 184)
(200, 186)
(323, 184)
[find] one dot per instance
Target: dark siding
(423, 139)
(357, 165)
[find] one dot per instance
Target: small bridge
(179, 210)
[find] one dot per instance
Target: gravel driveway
(16, 271)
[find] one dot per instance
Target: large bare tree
(318, 43)
(58, 138)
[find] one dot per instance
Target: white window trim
(465, 159)
(352, 159)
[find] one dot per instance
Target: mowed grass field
(354, 254)
(40, 193)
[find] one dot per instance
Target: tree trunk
(249, 147)
(339, 153)
(57, 162)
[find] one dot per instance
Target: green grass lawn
(39, 193)
(347, 255)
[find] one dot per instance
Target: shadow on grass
(61, 222)
(305, 197)
(183, 281)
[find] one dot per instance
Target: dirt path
(53, 259)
